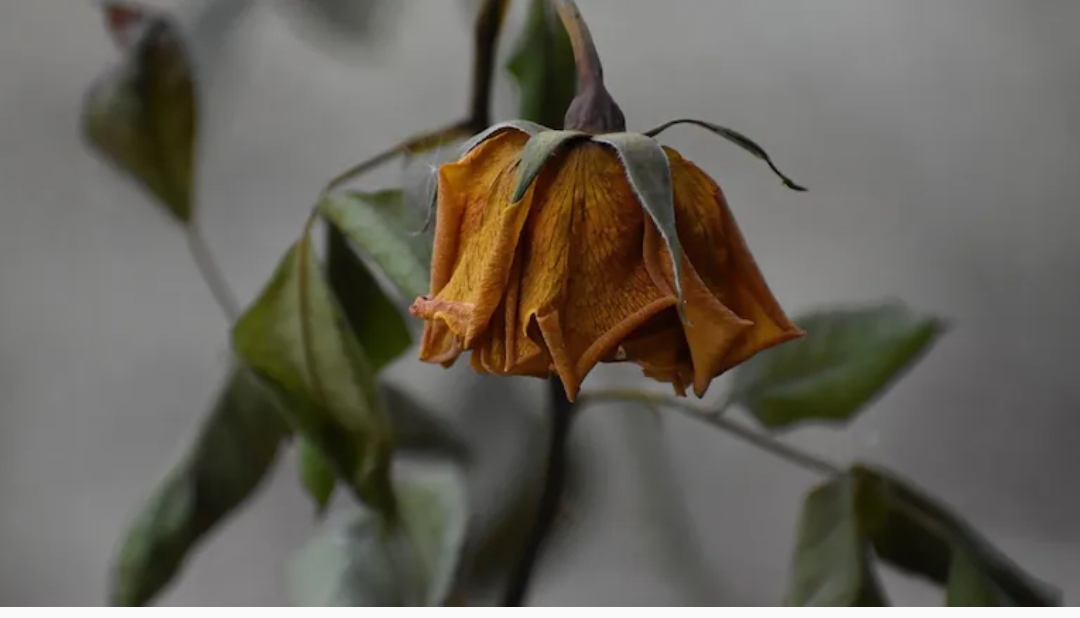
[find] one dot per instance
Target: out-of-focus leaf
(969, 587)
(295, 336)
(832, 557)
(142, 115)
(342, 28)
(543, 66)
(847, 358)
(369, 561)
(419, 430)
(231, 455)
(377, 324)
(381, 225)
(376, 320)
(918, 535)
(316, 474)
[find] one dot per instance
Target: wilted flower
(557, 250)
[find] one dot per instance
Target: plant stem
(590, 72)
(486, 31)
(562, 412)
(762, 441)
(211, 272)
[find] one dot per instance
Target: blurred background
(940, 141)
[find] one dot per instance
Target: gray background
(940, 142)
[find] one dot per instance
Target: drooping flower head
(558, 250)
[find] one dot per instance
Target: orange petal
(713, 330)
(476, 236)
(714, 245)
(660, 348)
(584, 278)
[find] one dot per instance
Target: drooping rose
(547, 258)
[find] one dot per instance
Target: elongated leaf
(649, 174)
(536, 153)
(735, 137)
(847, 358)
(381, 226)
(417, 429)
(917, 534)
(142, 115)
(374, 318)
(969, 587)
(368, 561)
(377, 324)
(231, 455)
(832, 559)
(316, 474)
(296, 338)
(543, 66)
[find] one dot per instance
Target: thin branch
(211, 272)
(562, 411)
(488, 26)
(760, 440)
(413, 145)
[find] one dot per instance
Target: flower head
(548, 258)
(558, 250)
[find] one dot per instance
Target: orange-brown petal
(476, 236)
(584, 278)
(713, 329)
(714, 245)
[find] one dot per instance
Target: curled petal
(647, 170)
(584, 279)
(476, 238)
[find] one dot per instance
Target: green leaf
(316, 474)
(832, 558)
(916, 534)
(536, 153)
(369, 561)
(233, 452)
(377, 324)
(847, 358)
(383, 227)
(969, 587)
(296, 338)
(374, 318)
(736, 138)
(543, 66)
(649, 174)
(525, 126)
(142, 115)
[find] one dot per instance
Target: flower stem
(593, 110)
(762, 441)
(211, 272)
(590, 71)
(562, 411)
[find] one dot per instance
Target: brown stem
(593, 110)
(489, 23)
(589, 70)
(562, 411)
